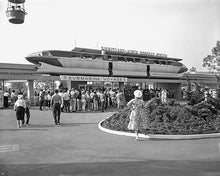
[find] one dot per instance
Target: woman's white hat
(137, 93)
(20, 96)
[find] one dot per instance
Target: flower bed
(169, 118)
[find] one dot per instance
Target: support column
(30, 92)
(68, 84)
(121, 86)
(178, 92)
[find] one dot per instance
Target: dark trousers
(27, 112)
(102, 106)
(41, 104)
(56, 112)
(5, 101)
(66, 104)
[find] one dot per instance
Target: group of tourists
(81, 100)
(64, 100)
(74, 100)
(9, 97)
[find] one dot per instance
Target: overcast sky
(186, 29)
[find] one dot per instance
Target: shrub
(169, 118)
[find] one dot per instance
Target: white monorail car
(83, 61)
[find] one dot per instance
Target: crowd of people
(64, 100)
(10, 97)
(77, 100)
(74, 100)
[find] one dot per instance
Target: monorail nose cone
(32, 59)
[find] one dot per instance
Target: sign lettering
(93, 78)
(143, 53)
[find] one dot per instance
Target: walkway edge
(156, 136)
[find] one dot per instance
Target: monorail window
(121, 59)
(46, 53)
(177, 64)
(150, 61)
(163, 62)
(76, 55)
(107, 57)
(87, 57)
(110, 58)
(169, 63)
(100, 58)
(60, 53)
(114, 58)
(156, 62)
(130, 59)
(104, 57)
(138, 60)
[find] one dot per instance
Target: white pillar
(30, 91)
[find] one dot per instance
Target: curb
(158, 136)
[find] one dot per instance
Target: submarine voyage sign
(93, 78)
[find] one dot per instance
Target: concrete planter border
(158, 136)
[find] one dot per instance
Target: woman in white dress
(136, 105)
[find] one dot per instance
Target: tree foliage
(44, 85)
(212, 61)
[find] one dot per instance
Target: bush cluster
(171, 118)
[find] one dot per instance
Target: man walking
(56, 102)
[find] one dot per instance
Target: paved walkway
(78, 147)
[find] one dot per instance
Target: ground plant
(199, 115)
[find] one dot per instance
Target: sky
(186, 29)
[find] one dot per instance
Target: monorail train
(84, 61)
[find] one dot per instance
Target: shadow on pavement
(130, 168)
(60, 125)
(161, 139)
(76, 124)
(19, 129)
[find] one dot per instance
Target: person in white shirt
(14, 97)
(19, 107)
(49, 97)
(73, 99)
(66, 100)
(61, 94)
(83, 101)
